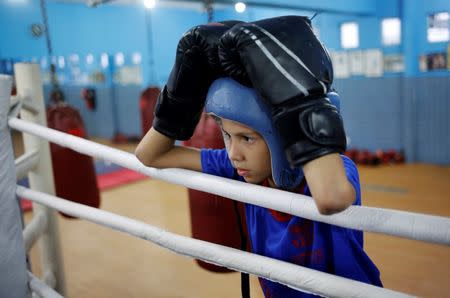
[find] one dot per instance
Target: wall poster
(373, 63)
(340, 65)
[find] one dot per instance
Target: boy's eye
(248, 139)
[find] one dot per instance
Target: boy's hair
(230, 100)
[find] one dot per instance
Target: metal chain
(53, 76)
(209, 10)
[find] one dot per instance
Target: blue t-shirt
(297, 240)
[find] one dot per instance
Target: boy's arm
(157, 150)
(328, 183)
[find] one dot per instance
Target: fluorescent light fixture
(150, 3)
(349, 35)
(240, 7)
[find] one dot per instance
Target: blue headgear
(230, 100)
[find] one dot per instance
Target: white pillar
(13, 267)
(29, 84)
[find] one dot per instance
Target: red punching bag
(213, 218)
(147, 104)
(74, 173)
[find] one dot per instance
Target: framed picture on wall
(437, 61)
(340, 65)
(393, 63)
(433, 61)
(356, 62)
(448, 57)
(373, 63)
(423, 63)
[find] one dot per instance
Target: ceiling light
(240, 7)
(149, 3)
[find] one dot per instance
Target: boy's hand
(285, 62)
(180, 103)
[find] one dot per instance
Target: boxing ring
(36, 163)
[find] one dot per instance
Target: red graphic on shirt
(309, 257)
(303, 233)
(280, 216)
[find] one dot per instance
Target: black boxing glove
(181, 101)
(290, 68)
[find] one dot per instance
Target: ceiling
(365, 7)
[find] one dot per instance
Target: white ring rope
(34, 229)
(26, 163)
(41, 288)
(294, 276)
(392, 222)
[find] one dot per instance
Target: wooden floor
(100, 262)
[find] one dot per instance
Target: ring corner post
(29, 87)
(12, 249)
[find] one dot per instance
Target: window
(349, 35)
(104, 60)
(391, 31)
(438, 27)
(89, 59)
(136, 58)
(61, 62)
(119, 59)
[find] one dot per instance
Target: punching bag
(147, 103)
(74, 173)
(213, 218)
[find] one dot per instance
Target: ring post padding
(29, 85)
(13, 267)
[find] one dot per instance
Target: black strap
(245, 285)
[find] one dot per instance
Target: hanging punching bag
(213, 218)
(147, 103)
(74, 173)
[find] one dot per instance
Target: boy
(255, 151)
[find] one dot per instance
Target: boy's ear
(217, 119)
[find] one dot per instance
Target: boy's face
(248, 152)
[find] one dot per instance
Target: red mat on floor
(105, 181)
(117, 178)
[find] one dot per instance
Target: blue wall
(426, 122)
(78, 29)
(409, 114)
(372, 112)
(404, 111)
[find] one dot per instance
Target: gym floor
(100, 262)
